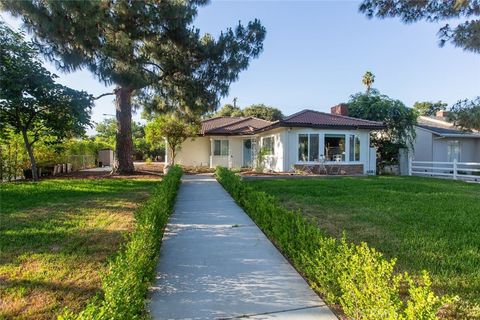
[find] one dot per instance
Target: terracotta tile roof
(317, 119)
(233, 125)
(304, 118)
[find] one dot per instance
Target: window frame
(308, 155)
(345, 141)
(270, 151)
(352, 147)
(222, 143)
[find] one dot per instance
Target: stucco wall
(194, 152)
(275, 162)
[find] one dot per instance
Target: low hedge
(356, 277)
(130, 273)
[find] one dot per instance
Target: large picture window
(335, 147)
(354, 152)
(308, 147)
(220, 147)
(268, 144)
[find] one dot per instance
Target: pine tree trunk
(124, 143)
(28, 146)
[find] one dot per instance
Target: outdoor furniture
(305, 167)
(336, 167)
(321, 165)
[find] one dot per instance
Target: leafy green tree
(263, 112)
(428, 108)
(368, 80)
(466, 114)
(259, 110)
(465, 32)
(147, 49)
(31, 103)
(229, 110)
(399, 121)
(106, 132)
(173, 129)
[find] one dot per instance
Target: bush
(356, 277)
(130, 273)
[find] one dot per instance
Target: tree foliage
(264, 112)
(465, 33)
(368, 80)
(229, 110)
(173, 129)
(148, 49)
(428, 108)
(398, 119)
(142, 147)
(259, 110)
(31, 103)
(466, 114)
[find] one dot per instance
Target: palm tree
(368, 80)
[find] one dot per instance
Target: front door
(247, 153)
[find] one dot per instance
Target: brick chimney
(340, 109)
(441, 114)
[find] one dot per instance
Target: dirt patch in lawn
(53, 253)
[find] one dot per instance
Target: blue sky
(316, 52)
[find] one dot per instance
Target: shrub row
(356, 277)
(130, 273)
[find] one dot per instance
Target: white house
(305, 139)
(440, 141)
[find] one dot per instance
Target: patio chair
(305, 167)
(336, 168)
(321, 165)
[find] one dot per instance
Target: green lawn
(425, 223)
(56, 237)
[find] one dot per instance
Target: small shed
(106, 157)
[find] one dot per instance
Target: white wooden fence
(469, 171)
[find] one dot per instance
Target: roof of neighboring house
(443, 128)
(317, 119)
(233, 125)
(305, 118)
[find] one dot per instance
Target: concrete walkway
(216, 264)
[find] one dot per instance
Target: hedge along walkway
(215, 263)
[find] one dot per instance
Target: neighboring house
(440, 141)
(303, 139)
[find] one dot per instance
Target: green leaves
(357, 277)
(175, 130)
(466, 114)
(399, 120)
(130, 272)
(31, 103)
(464, 35)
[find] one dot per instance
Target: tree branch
(104, 95)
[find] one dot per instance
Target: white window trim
(273, 143)
(321, 146)
(213, 149)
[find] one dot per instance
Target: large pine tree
(145, 48)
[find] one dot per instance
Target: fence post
(410, 165)
(454, 169)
